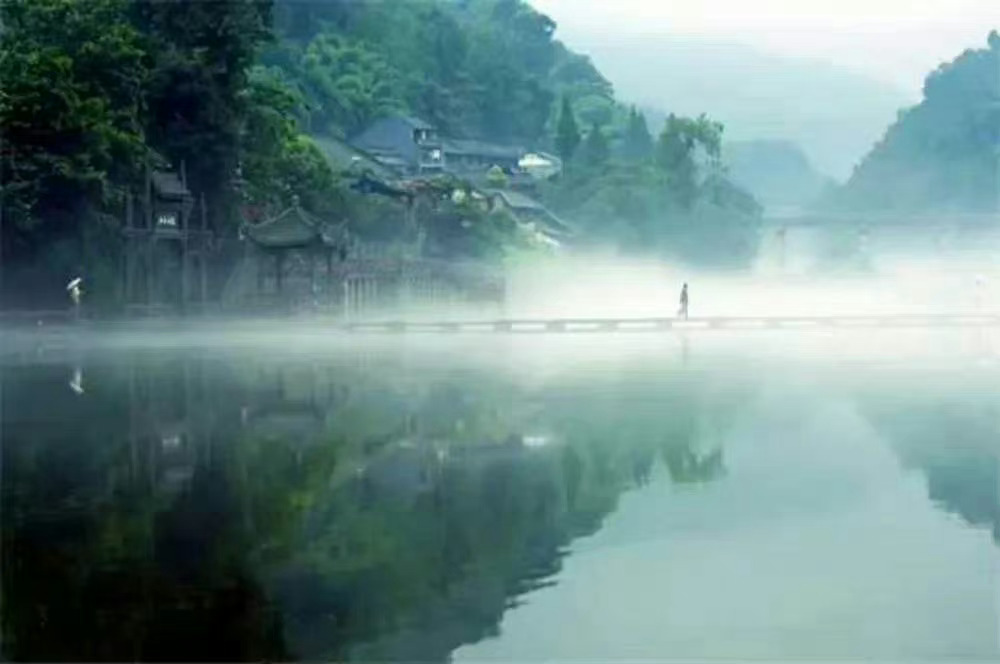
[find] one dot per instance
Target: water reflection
(193, 506)
(952, 435)
(185, 507)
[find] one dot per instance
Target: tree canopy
(942, 153)
(238, 92)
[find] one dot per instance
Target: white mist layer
(609, 288)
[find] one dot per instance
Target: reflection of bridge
(654, 324)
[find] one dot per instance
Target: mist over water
(366, 347)
(770, 494)
(798, 283)
(810, 493)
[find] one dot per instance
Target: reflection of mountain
(185, 509)
(954, 445)
(972, 489)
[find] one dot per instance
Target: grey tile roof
(168, 185)
(480, 148)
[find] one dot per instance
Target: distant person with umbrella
(683, 311)
(76, 294)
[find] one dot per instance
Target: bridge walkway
(578, 325)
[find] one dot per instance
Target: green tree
(683, 142)
(638, 142)
(567, 132)
(350, 85)
(202, 53)
(71, 114)
(279, 162)
(496, 177)
(595, 151)
(941, 153)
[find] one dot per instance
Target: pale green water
(765, 496)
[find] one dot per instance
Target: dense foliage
(95, 91)
(492, 69)
(478, 68)
(72, 113)
(942, 153)
(670, 196)
(236, 93)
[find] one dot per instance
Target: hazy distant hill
(940, 154)
(834, 115)
(777, 173)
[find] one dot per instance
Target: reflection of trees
(193, 510)
(687, 466)
(121, 540)
(970, 487)
(414, 574)
(954, 444)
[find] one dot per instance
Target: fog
(605, 286)
(828, 76)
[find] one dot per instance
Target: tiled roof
(168, 185)
(291, 229)
(344, 157)
(530, 209)
(516, 200)
(417, 123)
(480, 148)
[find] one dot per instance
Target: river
(768, 495)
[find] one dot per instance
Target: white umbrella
(76, 383)
(74, 284)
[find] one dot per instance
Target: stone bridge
(796, 240)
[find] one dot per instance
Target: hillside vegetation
(940, 155)
(238, 91)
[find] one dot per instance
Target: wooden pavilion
(294, 232)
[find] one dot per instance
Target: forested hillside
(484, 68)
(237, 91)
(942, 153)
(492, 69)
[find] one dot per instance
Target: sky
(894, 41)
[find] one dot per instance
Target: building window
(167, 219)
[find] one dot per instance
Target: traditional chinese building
(298, 244)
(412, 147)
(166, 246)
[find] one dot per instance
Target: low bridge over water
(597, 325)
(803, 240)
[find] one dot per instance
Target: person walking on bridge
(683, 311)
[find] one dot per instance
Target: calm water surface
(768, 496)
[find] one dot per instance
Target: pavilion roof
(293, 228)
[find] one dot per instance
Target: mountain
(495, 70)
(488, 69)
(777, 173)
(833, 114)
(243, 97)
(942, 153)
